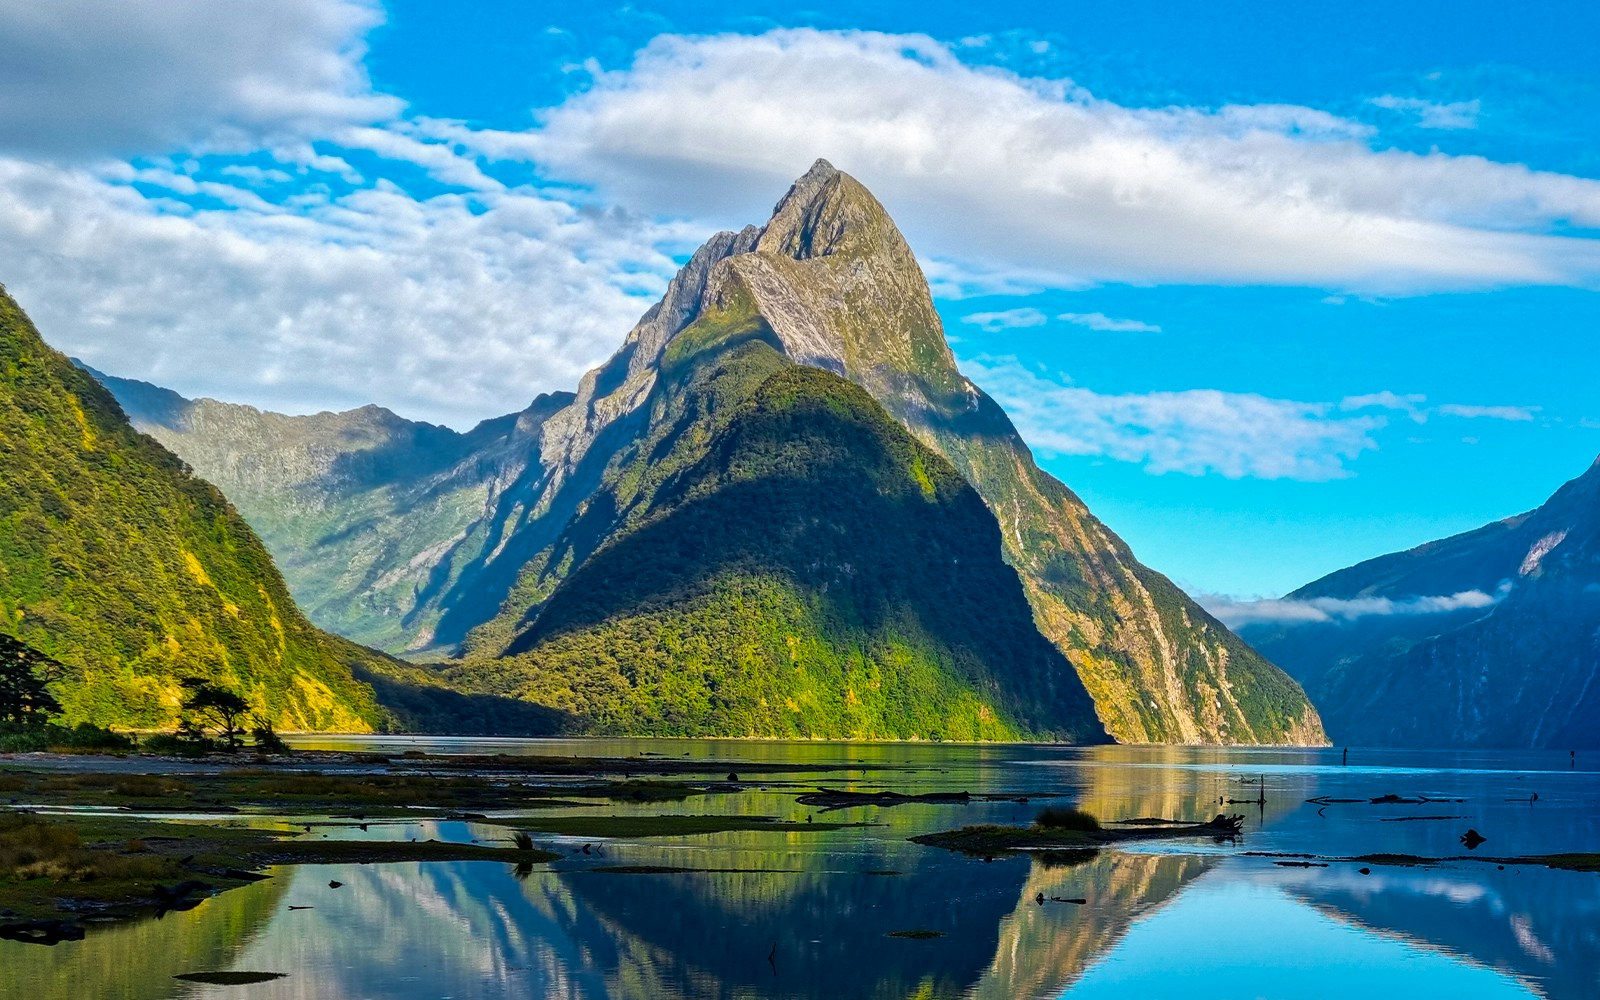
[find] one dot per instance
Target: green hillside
(788, 562)
(118, 562)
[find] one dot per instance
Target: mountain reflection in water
(813, 914)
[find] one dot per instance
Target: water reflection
(1243, 938)
(136, 961)
(813, 914)
(1541, 926)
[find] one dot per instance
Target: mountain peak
(836, 283)
(828, 212)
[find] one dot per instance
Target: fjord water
(814, 915)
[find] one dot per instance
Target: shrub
(266, 738)
(33, 738)
(1054, 818)
(179, 744)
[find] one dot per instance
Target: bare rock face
(1517, 664)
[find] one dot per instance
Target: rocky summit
(548, 548)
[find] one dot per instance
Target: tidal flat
(633, 868)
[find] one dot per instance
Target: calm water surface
(1189, 919)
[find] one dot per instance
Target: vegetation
(1071, 830)
(788, 562)
(119, 564)
(82, 738)
(212, 713)
(133, 577)
(25, 699)
(40, 857)
(1066, 818)
(127, 865)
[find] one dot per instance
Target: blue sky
(1274, 287)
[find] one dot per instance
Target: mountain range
(778, 509)
(1489, 638)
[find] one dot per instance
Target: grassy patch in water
(368, 795)
(47, 865)
(1563, 862)
(122, 865)
(629, 827)
(294, 852)
(916, 934)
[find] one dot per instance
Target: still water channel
(814, 914)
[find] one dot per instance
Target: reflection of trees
(708, 934)
(137, 960)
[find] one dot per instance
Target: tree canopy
(25, 674)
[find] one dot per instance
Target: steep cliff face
(1489, 638)
(782, 559)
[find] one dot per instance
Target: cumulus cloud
(1009, 319)
(449, 308)
(1237, 614)
(177, 205)
(981, 164)
(1196, 431)
(1432, 114)
(1100, 321)
(1414, 406)
(90, 77)
(298, 274)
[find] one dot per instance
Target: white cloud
(1413, 406)
(1197, 431)
(1513, 413)
(1100, 321)
(1235, 613)
(87, 78)
(1410, 404)
(448, 309)
(1009, 319)
(451, 308)
(209, 278)
(1432, 114)
(983, 165)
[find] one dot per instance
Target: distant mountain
(380, 524)
(557, 521)
(1489, 638)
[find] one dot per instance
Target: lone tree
(209, 708)
(24, 672)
